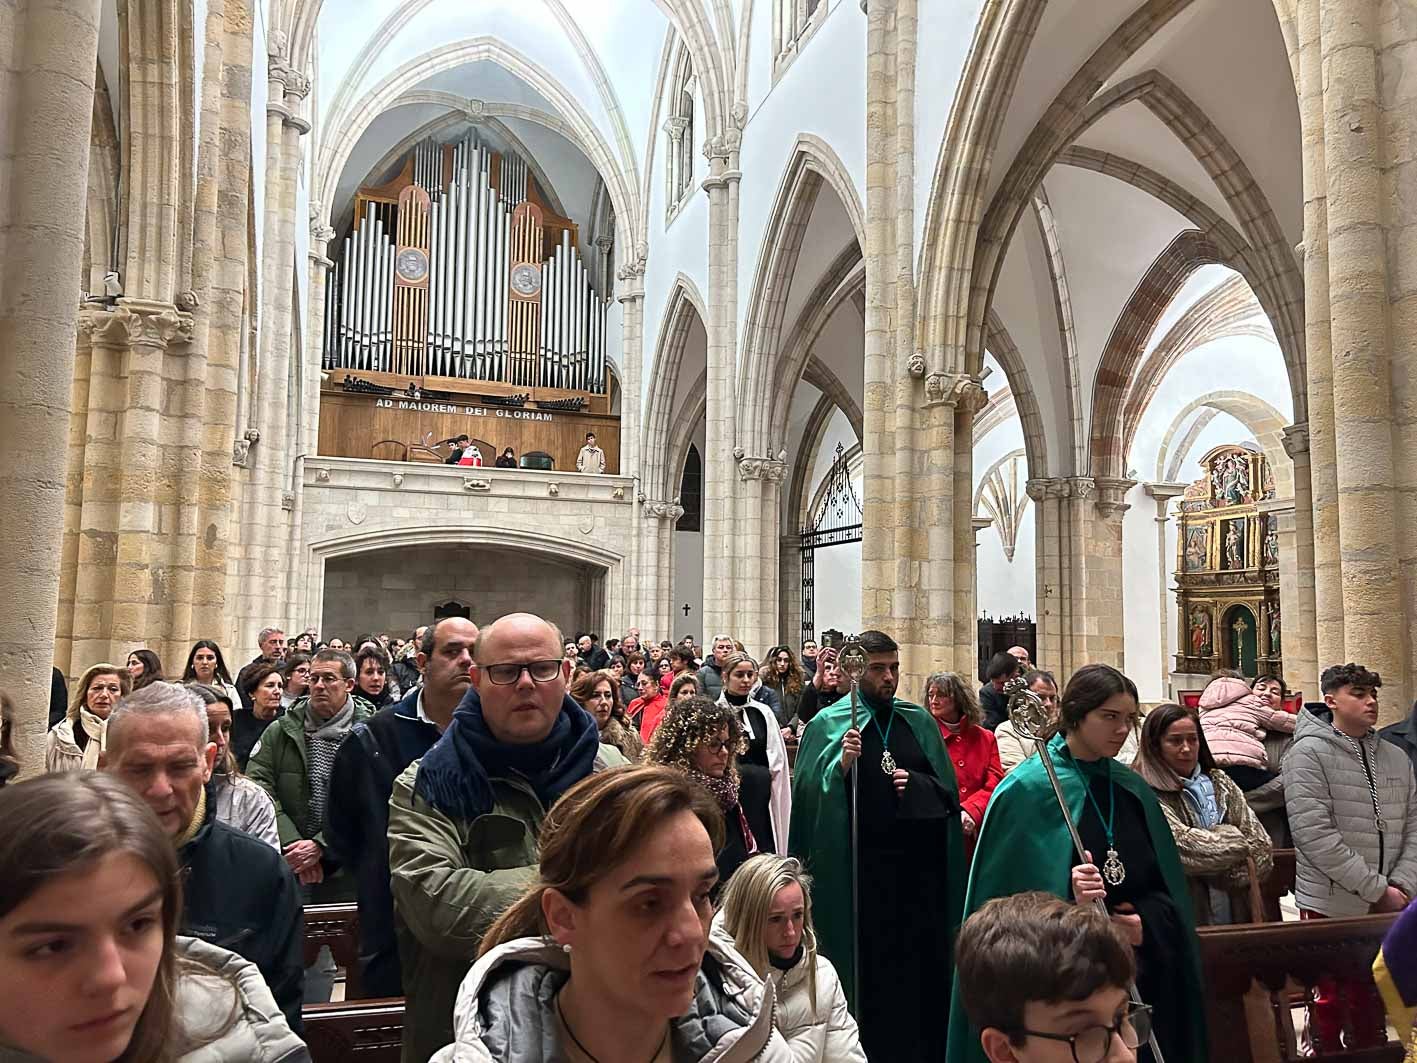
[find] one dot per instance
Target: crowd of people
(646, 850)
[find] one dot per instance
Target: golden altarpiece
(1227, 567)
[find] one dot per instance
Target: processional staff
(1032, 722)
(851, 659)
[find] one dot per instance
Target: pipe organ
(452, 279)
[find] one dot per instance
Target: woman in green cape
(912, 865)
(1024, 845)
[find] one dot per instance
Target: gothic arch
(342, 135)
(811, 164)
(1261, 419)
(685, 306)
(1006, 353)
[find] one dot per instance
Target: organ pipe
(464, 321)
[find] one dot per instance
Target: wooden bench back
(1280, 956)
(335, 925)
(369, 1031)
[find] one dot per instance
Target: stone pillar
(1078, 529)
(1319, 356)
(789, 590)
(48, 53)
(1370, 549)
(760, 499)
(307, 433)
(721, 541)
(655, 612)
(643, 609)
(269, 534)
(1298, 624)
(970, 398)
(977, 525)
(1163, 492)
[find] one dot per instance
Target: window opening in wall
(691, 492)
(679, 163)
(792, 20)
(447, 609)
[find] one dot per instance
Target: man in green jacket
(463, 820)
(292, 762)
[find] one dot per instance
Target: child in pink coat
(1236, 722)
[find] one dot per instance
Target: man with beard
(379, 749)
(910, 850)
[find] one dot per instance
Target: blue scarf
(1200, 791)
(454, 776)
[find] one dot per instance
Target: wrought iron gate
(836, 521)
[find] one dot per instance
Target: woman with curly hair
(783, 674)
(598, 694)
(704, 739)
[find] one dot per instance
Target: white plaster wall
(687, 586)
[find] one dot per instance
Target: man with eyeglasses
(293, 762)
(463, 820)
(1045, 981)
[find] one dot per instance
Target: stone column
(270, 537)
(970, 398)
(655, 612)
(1163, 492)
(642, 608)
(789, 590)
(760, 498)
(1370, 549)
(48, 52)
(1105, 596)
(1298, 622)
(977, 525)
(721, 539)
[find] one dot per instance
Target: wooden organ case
(459, 303)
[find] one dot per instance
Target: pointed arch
(762, 384)
(686, 305)
(1006, 353)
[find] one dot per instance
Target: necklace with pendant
(1113, 870)
(887, 761)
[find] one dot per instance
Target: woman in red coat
(971, 747)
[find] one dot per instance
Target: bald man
(516, 743)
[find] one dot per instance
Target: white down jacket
(823, 1034)
(506, 1010)
(1344, 861)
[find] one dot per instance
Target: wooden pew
(1279, 956)
(335, 925)
(1279, 884)
(366, 1031)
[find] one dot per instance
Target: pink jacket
(1235, 722)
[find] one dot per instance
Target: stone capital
(604, 243)
(634, 268)
(108, 327)
(1111, 494)
(675, 125)
(654, 509)
(1296, 439)
(1163, 491)
(959, 390)
(769, 469)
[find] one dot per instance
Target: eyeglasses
(318, 678)
(504, 675)
(1092, 1044)
(716, 745)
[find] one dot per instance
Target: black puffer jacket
(357, 828)
(238, 893)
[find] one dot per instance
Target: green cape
(1024, 845)
(821, 831)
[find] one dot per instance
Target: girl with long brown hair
(599, 694)
(91, 968)
(607, 956)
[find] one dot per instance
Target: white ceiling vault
(586, 71)
(1189, 124)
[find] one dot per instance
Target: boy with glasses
(1045, 981)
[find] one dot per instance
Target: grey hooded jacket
(1331, 814)
(506, 1010)
(224, 1011)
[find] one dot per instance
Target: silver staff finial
(851, 659)
(1031, 718)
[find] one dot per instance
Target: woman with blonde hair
(970, 745)
(91, 967)
(608, 955)
(76, 741)
(767, 916)
(599, 695)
